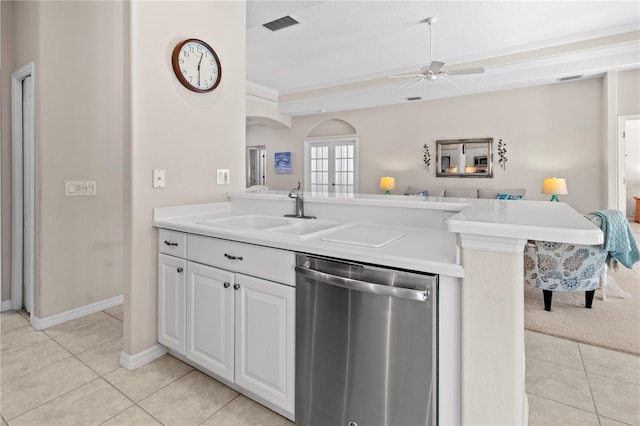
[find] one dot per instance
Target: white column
(492, 318)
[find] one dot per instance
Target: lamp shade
(554, 186)
(387, 183)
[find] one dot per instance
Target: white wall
(629, 92)
(78, 135)
(552, 130)
(188, 134)
(6, 65)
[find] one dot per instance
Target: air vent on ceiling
(278, 24)
(571, 77)
(414, 98)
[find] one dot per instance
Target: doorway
(330, 166)
(256, 165)
(629, 162)
(22, 189)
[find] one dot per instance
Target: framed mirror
(464, 158)
(256, 165)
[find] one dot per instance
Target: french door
(330, 166)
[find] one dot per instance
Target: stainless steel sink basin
(289, 226)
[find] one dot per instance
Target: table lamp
(554, 186)
(387, 183)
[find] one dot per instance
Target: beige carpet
(614, 324)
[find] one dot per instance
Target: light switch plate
(223, 177)
(78, 188)
(158, 178)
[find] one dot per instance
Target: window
(330, 166)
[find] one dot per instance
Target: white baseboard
(6, 305)
(44, 323)
(131, 362)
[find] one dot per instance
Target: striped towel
(618, 237)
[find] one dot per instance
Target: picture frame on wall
(282, 162)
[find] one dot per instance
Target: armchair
(553, 266)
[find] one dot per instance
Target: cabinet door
(265, 340)
(171, 302)
(210, 312)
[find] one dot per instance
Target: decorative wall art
(426, 156)
(283, 162)
(502, 154)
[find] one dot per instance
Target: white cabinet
(216, 309)
(171, 302)
(265, 339)
(210, 319)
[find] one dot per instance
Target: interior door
(331, 166)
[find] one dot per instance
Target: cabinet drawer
(272, 264)
(172, 242)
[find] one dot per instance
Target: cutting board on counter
(364, 235)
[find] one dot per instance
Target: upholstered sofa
(510, 193)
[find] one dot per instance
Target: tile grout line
(593, 400)
(562, 403)
(553, 362)
(99, 376)
(70, 390)
(43, 367)
(221, 408)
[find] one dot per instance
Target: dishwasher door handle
(351, 284)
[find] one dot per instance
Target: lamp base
(387, 192)
(554, 197)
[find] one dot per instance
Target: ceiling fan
(435, 69)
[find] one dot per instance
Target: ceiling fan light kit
(435, 69)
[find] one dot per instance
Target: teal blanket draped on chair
(618, 237)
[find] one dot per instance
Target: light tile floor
(70, 374)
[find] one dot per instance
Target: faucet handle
(298, 188)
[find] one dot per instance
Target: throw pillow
(421, 193)
(509, 197)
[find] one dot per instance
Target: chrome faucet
(298, 195)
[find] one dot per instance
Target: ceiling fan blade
(466, 71)
(435, 66)
(409, 86)
(406, 76)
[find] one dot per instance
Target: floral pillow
(509, 197)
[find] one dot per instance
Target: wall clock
(196, 65)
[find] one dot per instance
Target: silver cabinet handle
(180, 270)
(351, 284)
(236, 286)
(226, 285)
(169, 243)
(231, 257)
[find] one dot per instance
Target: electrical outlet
(158, 178)
(223, 177)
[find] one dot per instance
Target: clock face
(196, 65)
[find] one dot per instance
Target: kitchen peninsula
(475, 246)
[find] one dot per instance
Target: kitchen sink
(248, 221)
(290, 226)
(304, 227)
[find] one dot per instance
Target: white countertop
(523, 219)
(424, 250)
(421, 248)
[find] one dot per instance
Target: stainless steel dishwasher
(366, 345)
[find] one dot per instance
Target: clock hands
(199, 63)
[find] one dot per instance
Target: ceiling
(341, 53)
